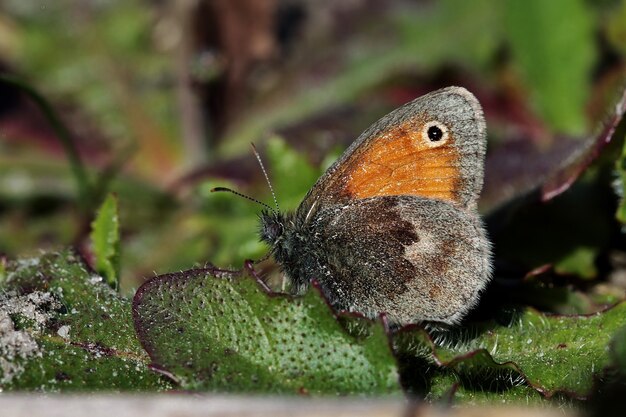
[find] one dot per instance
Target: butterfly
(392, 226)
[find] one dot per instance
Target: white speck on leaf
(64, 332)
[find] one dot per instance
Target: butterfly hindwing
(410, 252)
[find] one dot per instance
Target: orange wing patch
(403, 162)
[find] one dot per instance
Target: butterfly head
(272, 227)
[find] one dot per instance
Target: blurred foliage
(107, 85)
(546, 59)
(101, 56)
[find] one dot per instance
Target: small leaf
(226, 334)
(105, 241)
(3, 271)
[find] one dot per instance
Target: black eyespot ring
(434, 133)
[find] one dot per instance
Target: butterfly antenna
(217, 189)
(267, 178)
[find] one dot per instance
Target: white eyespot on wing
(435, 133)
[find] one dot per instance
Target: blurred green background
(162, 99)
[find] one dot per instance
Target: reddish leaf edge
(575, 165)
(156, 280)
(247, 272)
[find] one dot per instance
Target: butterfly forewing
(432, 147)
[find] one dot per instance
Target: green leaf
(63, 329)
(226, 334)
(553, 44)
(105, 241)
(618, 351)
(550, 353)
(3, 271)
(449, 386)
